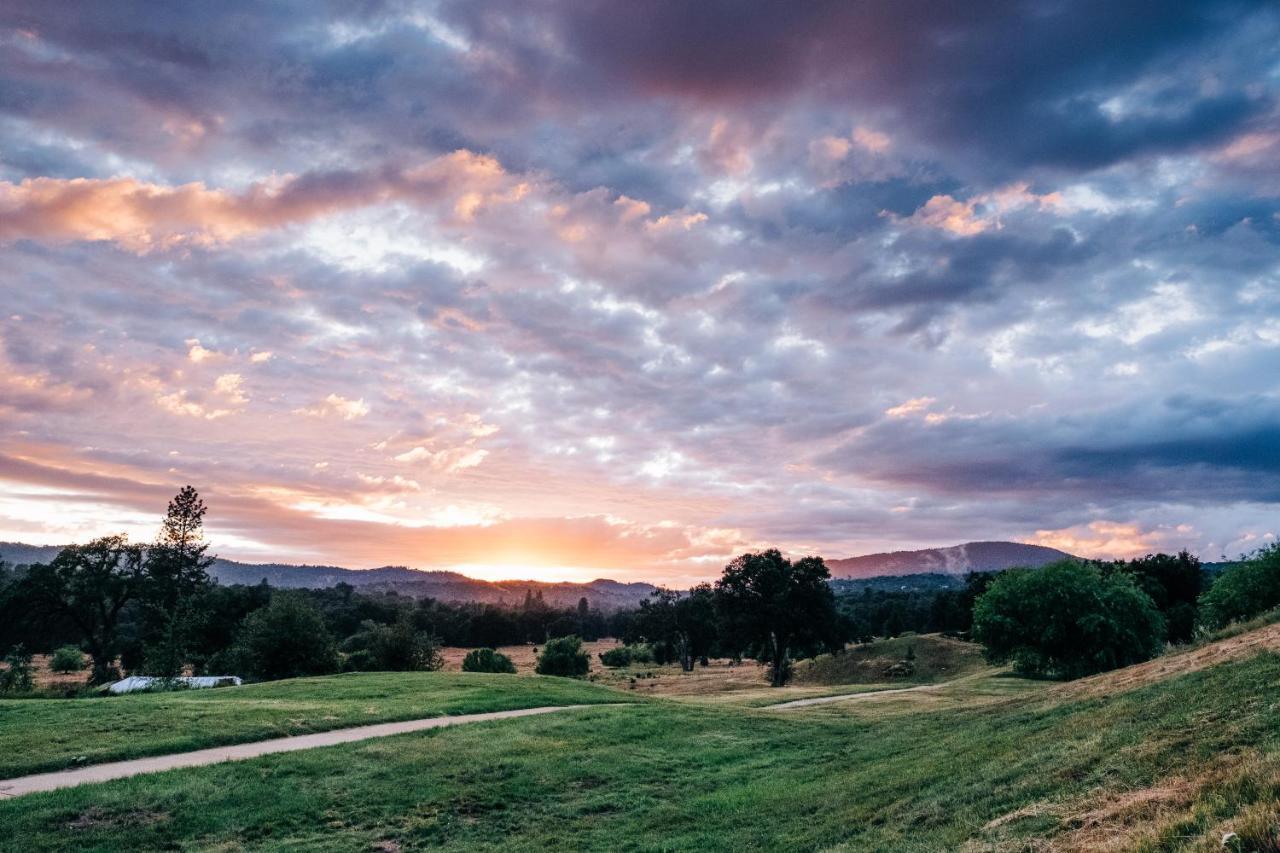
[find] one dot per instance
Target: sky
(567, 289)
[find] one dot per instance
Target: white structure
(134, 683)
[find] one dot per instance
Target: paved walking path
(823, 700)
(238, 752)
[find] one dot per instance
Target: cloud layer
(584, 288)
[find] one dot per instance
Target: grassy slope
(49, 734)
(1165, 763)
(937, 658)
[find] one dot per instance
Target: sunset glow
(558, 294)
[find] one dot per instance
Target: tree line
(154, 610)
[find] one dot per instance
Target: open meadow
(1168, 755)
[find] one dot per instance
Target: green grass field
(51, 734)
(1002, 764)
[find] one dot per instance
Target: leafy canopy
(1067, 620)
(772, 609)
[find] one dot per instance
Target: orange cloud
(143, 217)
(1102, 539)
(981, 212)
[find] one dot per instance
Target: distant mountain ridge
(602, 594)
(956, 560)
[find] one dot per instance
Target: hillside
(913, 658)
(602, 594)
(1171, 755)
(956, 560)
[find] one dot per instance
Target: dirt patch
(47, 679)
(524, 656)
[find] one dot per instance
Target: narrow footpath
(239, 752)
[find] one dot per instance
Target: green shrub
(1067, 620)
(285, 639)
(564, 656)
(398, 647)
(627, 655)
(1248, 588)
(487, 660)
(16, 675)
(67, 659)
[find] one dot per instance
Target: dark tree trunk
(778, 672)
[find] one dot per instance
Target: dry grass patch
(1174, 664)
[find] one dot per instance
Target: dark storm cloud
(1027, 82)
(1179, 448)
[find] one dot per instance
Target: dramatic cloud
(586, 287)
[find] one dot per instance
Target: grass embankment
(52, 734)
(913, 659)
(1170, 764)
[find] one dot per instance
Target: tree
(563, 656)
(487, 660)
(16, 675)
(90, 585)
(177, 574)
(1174, 583)
(1244, 590)
(686, 623)
(771, 608)
(398, 647)
(285, 639)
(67, 659)
(1067, 620)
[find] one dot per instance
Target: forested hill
(956, 560)
(445, 586)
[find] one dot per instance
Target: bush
(16, 675)
(398, 647)
(487, 660)
(626, 655)
(564, 656)
(67, 659)
(285, 639)
(1248, 588)
(1067, 620)
(615, 657)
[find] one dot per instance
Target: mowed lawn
(37, 735)
(1160, 767)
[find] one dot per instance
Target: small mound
(914, 658)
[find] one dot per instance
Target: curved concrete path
(843, 697)
(241, 751)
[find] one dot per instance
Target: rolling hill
(602, 594)
(956, 560)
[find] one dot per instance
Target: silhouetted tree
(176, 576)
(686, 623)
(774, 608)
(1174, 583)
(90, 585)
